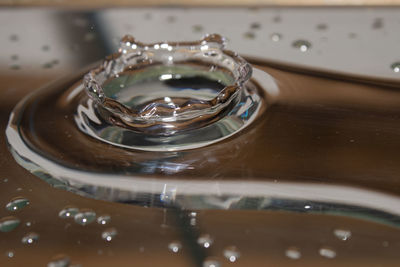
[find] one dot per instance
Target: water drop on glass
(175, 246)
(10, 254)
(211, 263)
(276, 37)
(67, 212)
(205, 241)
(17, 204)
(327, 253)
(302, 45)
(342, 234)
(8, 223)
(396, 67)
(103, 219)
(30, 238)
(293, 253)
(85, 216)
(109, 234)
(60, 260)
(231, 253)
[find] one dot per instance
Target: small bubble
(385, 244)
(377, 24)
(85, 216)
(276, 37)
(47, 65)
(5, 180)
(17, 203)
(171, 19)
(210, 262)
(322, 27)
(249, 35)
(396, 67)
(19, 189)
(302, 45)
(8, 223)
(109, 234)
(103, 219)
(14, 57)
(255, 25)
(30, 238)
(327, 253)
(197, 28)
(277, 19)
(231, 253)
(205, 240)
(45, 48)
(14, 38)
(60, 260)
(293, 253)
(10, 254)
(28, 224)
(67, 212)
(342, 234)
(352, 35)
(175, 246)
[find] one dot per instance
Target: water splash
(17, 203)
(9, 223)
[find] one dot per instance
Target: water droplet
(60, 260)
(302, 45)
(14, 57)
(293, 253)
(15, 67)
(231, 253)
(197, 28)
(276, 37)
(171, 19)
(45, 48)
(14, 37)
(17, 203)
(103, 219)
(10, 254)
(67, 212)
(85, 216)
(322, 26)
(255, 25)
(210, 262)
(377, 24)
(327, 253)
(175, 246)
(342, 234)
(109, 234)
(249, 35)
(396, 67)
(352, 35)
(30, 238)
(8, 223)
(205, 241)
(277, 19)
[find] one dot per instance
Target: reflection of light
(166, 77)
(232, 258)
(167, 99)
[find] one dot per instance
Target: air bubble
(175, 246)
(255, 25)
(249, 35)
(322, 27)
(10, 254)
(327, 253)
(302, 45)
(293, 253)
(9, 223)
(197, 28)
(396, 67)
(67, 212)
(60, 260)
(205, 241)
(85, 216)
(276, 37)
(103, 219)
(109, 234)
(17, 203)
(14, 57)
(45, 48)
(30, 238)
(231, 253)
(14, 38)
(342, 234)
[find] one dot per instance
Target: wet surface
(317, 131)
